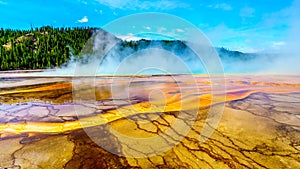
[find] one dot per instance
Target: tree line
(48, 47)
(39, 48)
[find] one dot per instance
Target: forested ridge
(48, 47)
(40, 48)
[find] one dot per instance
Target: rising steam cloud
(289, 58)
(103, 55)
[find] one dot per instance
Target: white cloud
(83, 20)
(143, 5)
(3, 3)
(248, 49)
(278, 45)
(147, 27)
(223, 6)
(281, 43)
(129, 37)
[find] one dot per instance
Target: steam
(103, 55)
(148, 61)
(284, 60)
(288, 60)
(256, 64)
(154, 59)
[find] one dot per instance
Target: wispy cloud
(143, 5)
(147, 27)
(245, 39)
(180, 30)
(3, 3)
(83, 20)
(293, 37)
(223, 6)
(280, 43)
(161, 29)
(129, 37)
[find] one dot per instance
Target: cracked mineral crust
(254, 123)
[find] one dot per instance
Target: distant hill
(48, 47)
(236, 55)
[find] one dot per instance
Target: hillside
(41, 48)
(48, 47)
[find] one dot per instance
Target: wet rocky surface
(259, 130)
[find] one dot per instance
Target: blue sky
(245, 25)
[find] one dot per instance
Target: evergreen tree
(42, 47)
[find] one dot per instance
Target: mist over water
(289, 56)
(156, 60)
(104, 54)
